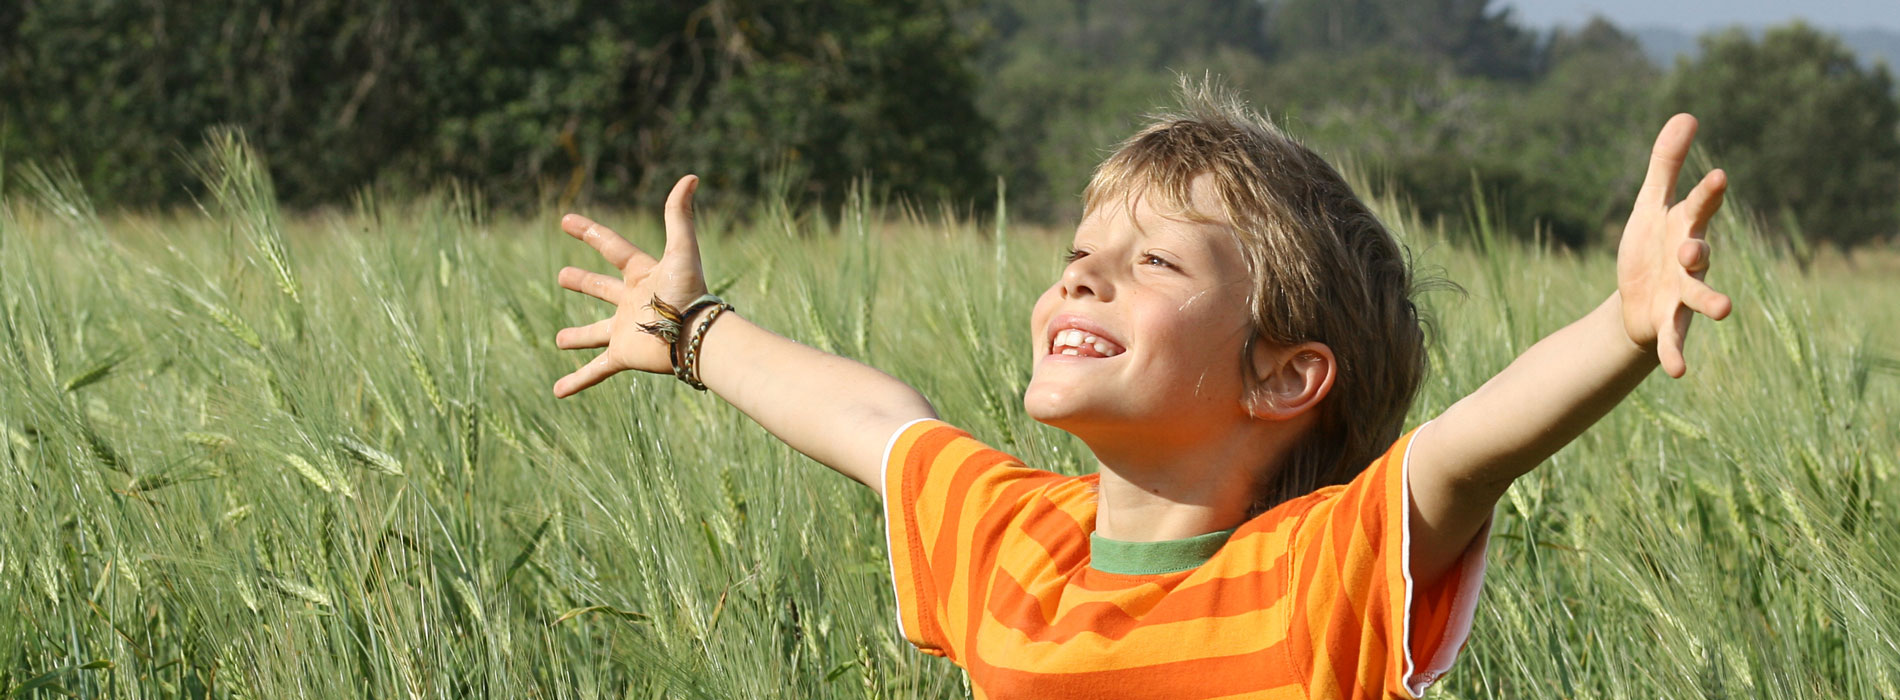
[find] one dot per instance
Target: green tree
(1553, 156)
(1065, 80)
(523, 99)
(1573, 145)
(823, 93)
(1475, 38)
(1808, 133)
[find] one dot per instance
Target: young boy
(1234, 339)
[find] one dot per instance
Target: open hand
(1663, 256)
(676, 278)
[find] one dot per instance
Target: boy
(1234, 339)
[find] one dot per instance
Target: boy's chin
(1051, 418)
(1087, 412)
(1047, 410)
(1066, 412)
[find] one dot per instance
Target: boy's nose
(1081, 279)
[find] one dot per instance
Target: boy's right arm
(837, 411)
(1465, 460)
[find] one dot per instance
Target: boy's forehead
(1195, 199)
(1152, 211)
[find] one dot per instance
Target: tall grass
(245, 455)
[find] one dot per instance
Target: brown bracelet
(688, 368)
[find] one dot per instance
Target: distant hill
(1664, 44)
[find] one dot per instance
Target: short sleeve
(945, 494)
(1371, 631)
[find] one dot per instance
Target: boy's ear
(1292, 380)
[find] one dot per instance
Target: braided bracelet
(688, 370)
(699, 305)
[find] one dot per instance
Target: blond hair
(1323, 268)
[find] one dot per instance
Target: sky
(1693, 16)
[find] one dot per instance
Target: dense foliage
(526, 99)
(1813, 135)
(1444, 102)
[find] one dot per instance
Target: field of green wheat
(250, 455)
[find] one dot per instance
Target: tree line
(1445, 101)
(518, 98)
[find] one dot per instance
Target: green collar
(1148, 558)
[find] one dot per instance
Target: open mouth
(1076, 337)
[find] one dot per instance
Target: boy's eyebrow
(1179, 225)
(1187, 231)
(1166, 225)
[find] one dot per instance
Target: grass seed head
(215, 441)
(309, 472)
(296, 589)
(376, 460)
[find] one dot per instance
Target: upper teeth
(1073, 339)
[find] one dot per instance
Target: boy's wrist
(696, 323)
(1626, 348)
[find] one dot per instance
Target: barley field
(245, 454)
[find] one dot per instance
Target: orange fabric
(990, 561)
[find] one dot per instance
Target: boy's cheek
(1039, 318)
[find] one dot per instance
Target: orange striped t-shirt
(1311, 599)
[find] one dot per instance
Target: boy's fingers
(1669, 349)
(1694, 255)
(615, 249)
(592, 335)
(588, 375)
(1704, 201)
(681, 239)
(593, 284)
(1665, 160)
(1703, 299)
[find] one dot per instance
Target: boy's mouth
(1075, 342)
(1076, 337)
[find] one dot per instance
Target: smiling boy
(1234, 339)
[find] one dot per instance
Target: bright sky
(1693, 16)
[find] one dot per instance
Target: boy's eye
(1156, 260)
(1073, 255)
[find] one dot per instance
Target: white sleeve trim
(890, 546)
(1464, 606)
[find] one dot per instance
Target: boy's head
(1231, 276)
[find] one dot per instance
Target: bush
(1810, 135)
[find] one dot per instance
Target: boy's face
(1165, 300)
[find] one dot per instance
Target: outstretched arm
(1465, 460)
(834, 410)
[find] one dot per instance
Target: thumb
(681, 239)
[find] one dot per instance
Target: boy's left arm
(1464, 461)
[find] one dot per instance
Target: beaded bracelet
(688, 370)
